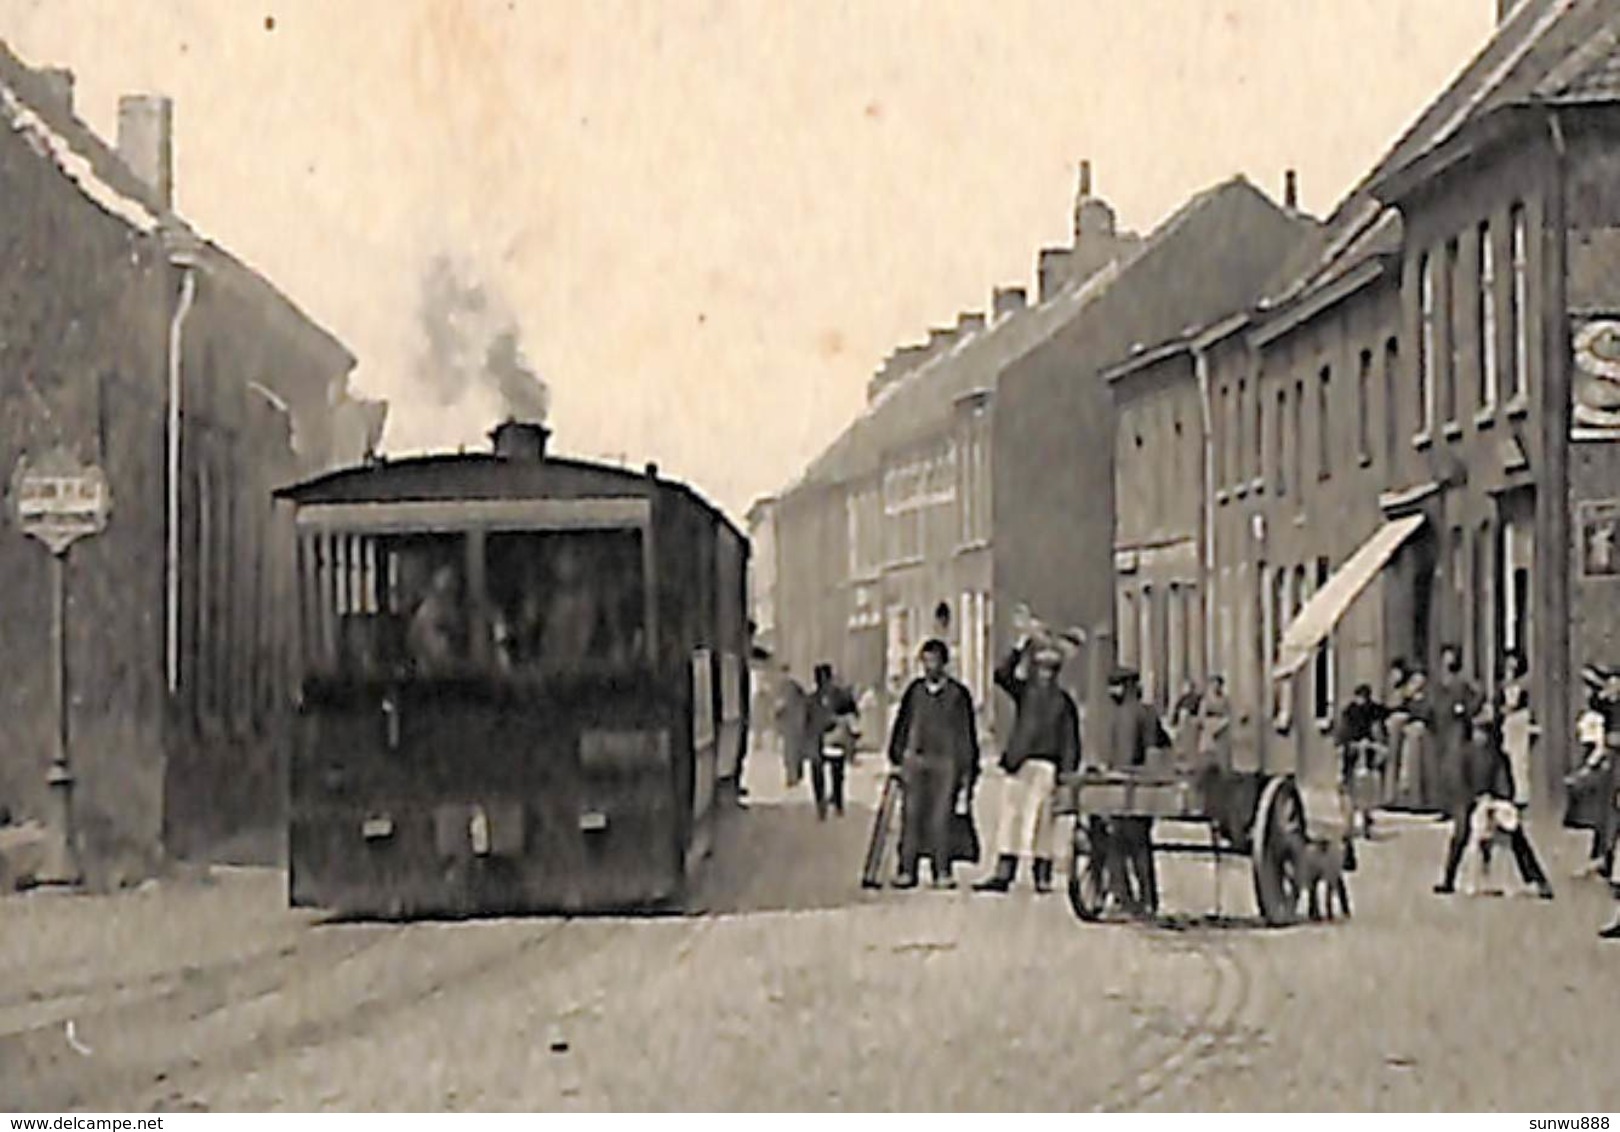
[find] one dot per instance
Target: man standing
(1045, 743)
(1472, 778)
(1136, 729)
(1456, 703)
(935, 745)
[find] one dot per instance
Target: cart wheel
(1088, 862)
(1279, 830)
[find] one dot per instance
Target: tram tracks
(1157, 1066)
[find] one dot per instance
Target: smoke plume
(471, 341)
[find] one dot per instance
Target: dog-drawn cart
(1247, 814)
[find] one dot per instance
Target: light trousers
(1025, 827)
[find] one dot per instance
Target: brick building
(1412, 439)
(887, 537)
(929, 513)
(176, 652)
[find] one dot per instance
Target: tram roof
(482, 475)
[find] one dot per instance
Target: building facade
(887, 539)
(1055, 431)
(973, 482)
(177, 659)
(1411, 438)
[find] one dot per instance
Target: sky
(709, 220)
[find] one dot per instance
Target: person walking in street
(1472, 779)
(833, 727)
(1518, 731)
(1045, 744)
(1215, 726)
(935, 745)
(793, 725)
(1456, 704)
(1135, 729)
(1184, 723)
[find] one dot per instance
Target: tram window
(562, 599)
(384, 604)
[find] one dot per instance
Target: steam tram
(524, 685)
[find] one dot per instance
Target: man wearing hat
(1473, 778)
(1045, 743)
(1135, 729)
(935, 746)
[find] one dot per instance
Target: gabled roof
(920, 404)
(28, 108)
(1531, 47)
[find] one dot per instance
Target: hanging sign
(1595, 390)
(59, 500)
(1599, 523)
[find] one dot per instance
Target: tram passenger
(1045, 744)
(1136, 729)
(935, 744)
(437, 626)
(572, 613)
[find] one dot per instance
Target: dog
(1320, 867)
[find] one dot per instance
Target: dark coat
(947, 715)
(1136, 729)
(1047, 726)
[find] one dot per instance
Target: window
(1486, 320)
(1297, 437)
(1426, 359)
(1218, 441)
(1453, 327)
(1324, 676)
(1483, 605)
(1324, 424)
(389, 605)
(1127, 629)
(1392, 402)
(1277, 428)
(1364, 407)
(1144, 640)
(1519, 307)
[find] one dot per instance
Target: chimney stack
(1085, 178)
(1007, 300)
(969, 321)
(520, 440)
(59, 83)
(146, 142)
(1291, 191)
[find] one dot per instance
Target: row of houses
(1290, 453)
(979, 475)
(134, 344)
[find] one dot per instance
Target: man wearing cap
(1135, 730)
(935, 746)
(1045, 743)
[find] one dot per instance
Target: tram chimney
(520, 440)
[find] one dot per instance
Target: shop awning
(1328, 605)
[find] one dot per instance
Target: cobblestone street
(798, 991)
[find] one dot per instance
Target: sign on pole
(59, 500)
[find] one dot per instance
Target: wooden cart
(1247, 814)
